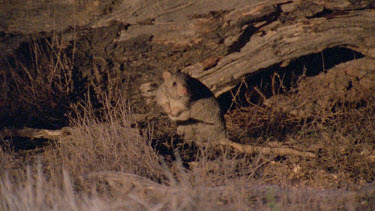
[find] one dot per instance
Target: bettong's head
(176, 84)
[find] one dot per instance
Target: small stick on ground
(250, 149)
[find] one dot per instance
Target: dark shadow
(173, 147)
(242, 40)
(17, 144)
(276, 79)
(28, 100)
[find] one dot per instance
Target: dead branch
(34, 133)
(68, 133)
(250, 149)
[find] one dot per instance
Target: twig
(245, 148)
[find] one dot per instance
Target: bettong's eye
(174, 84)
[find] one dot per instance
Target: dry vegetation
(113, 163)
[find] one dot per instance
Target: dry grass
(112, 163)
(37, 83)
(336, 125)
(65, 174)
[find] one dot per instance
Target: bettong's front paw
(185, 131)
(180, 131)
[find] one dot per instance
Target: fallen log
(278, 40)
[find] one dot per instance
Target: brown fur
(194, 108)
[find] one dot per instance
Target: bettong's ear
(186, 72)
(166, 75)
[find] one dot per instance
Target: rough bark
(287, 36)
